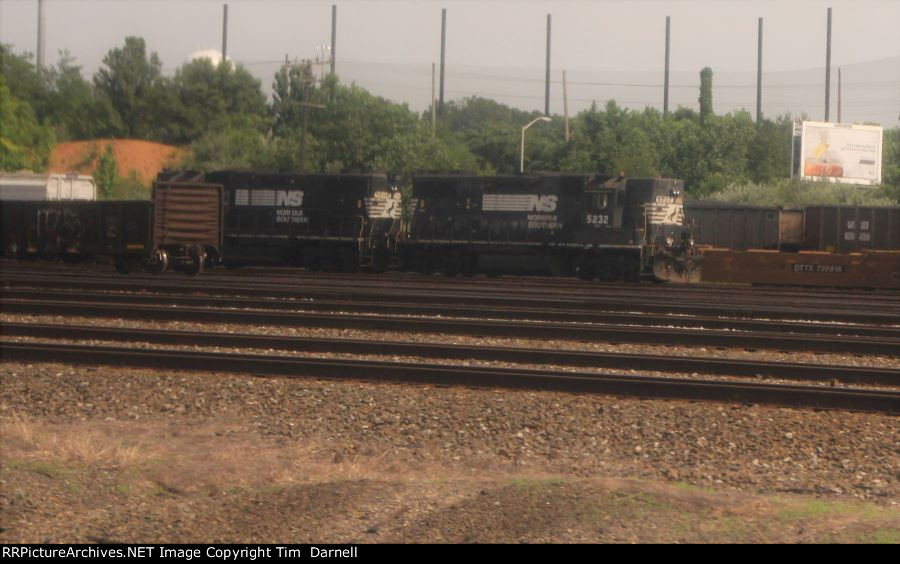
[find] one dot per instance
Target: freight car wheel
(198, 259)
(11, 248)
(159, 262)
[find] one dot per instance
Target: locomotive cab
(669, 250)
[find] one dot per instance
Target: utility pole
(224, 31)
(666, 81)
(839, 95)
(40, 45)
(566, 105)
(433, 109)
(547, 79)
(443, 49)
(759, 73)
(333, 34)
(828, 67)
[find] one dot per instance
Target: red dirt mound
(144, 158)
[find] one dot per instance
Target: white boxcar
(46, 187)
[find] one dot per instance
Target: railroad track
(459, 311)
(567, 286)
(872, 314)
(611, 384)
(712, 366)
(886, 346)
(547, 287)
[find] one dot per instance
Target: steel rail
(505, 328)
(584, 359)
(460, 310)
(281, 275)
(881, 401)
(881, 314)
(545, 286)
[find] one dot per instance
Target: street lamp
(522, 153)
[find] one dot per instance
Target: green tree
(287, 95)
(133, 84)
(207, 98)
(25, 144)
(706, 95)
(24, 81)
(72, 105)
(106, 175)
(891, 164)
(492, 132)
(234, 147)
(770, 152)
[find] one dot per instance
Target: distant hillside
(142, 158)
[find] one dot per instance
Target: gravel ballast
(734, 446)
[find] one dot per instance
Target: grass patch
(820, 509)
(684, 486)
(886, 535)
(52, 470)
(523, 483)
(31, 440)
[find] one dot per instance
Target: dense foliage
(222, 115)
(24, 142)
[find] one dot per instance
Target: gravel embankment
(709, 444)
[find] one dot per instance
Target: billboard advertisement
(840, 152)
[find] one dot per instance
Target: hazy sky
(496, 48)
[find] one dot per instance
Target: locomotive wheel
(611, 270)
(585, 266)
(423, 264)
(310, 259)
(468, 266)
(451, 264)
(349, 261)
(632, 269)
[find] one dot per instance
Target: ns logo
(543, 203)
(289, 198)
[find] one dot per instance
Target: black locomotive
(561, 224)
(564, 224)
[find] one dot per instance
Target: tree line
(222, 115)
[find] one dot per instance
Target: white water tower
(213, 55)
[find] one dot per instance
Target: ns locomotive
(564, 224)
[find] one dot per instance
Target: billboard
(840, 152)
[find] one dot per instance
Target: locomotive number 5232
(596, 219)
